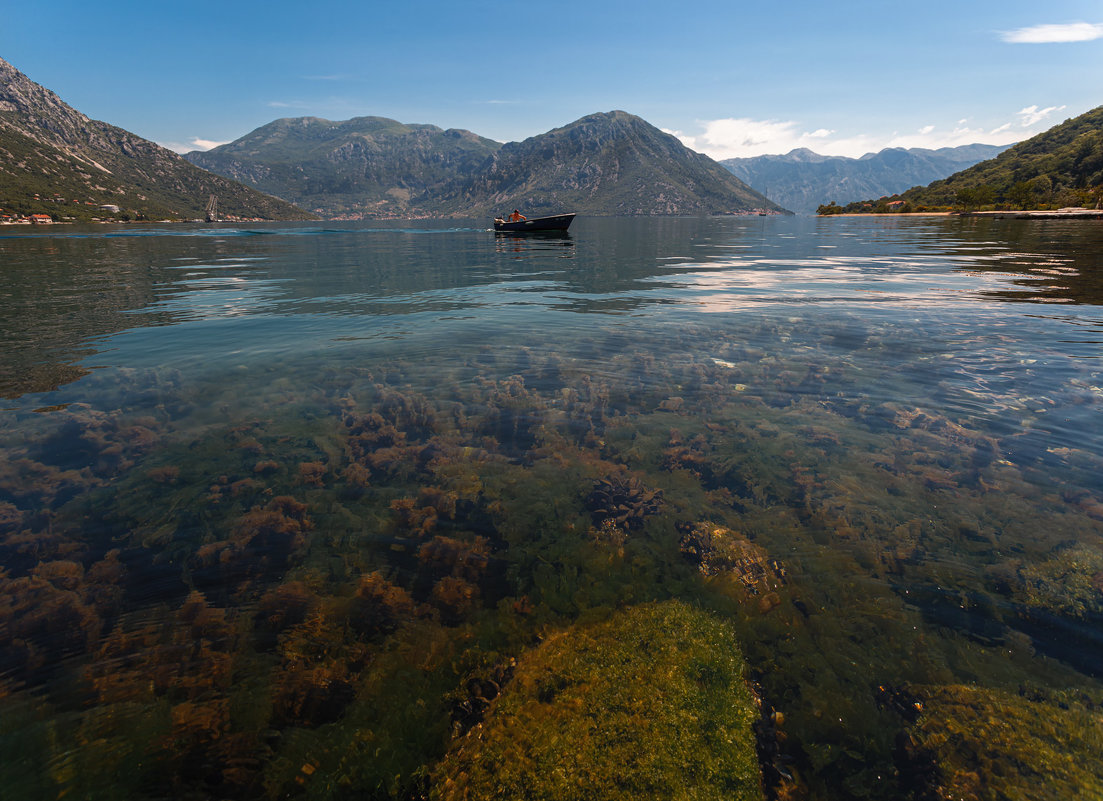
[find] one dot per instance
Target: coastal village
(109, 213)
(11, 217)
(30, 219)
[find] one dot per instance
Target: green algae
(651, 703)
(364, 552)
(1069, 582)
(981, 744)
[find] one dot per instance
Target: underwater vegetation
(512, 575)
(651, 703)
(980, 744)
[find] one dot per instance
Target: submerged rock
(1058, 603)
(719, 551)
(976, 744)
(648, 704)
(622, 502)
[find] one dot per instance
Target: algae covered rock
(716, 550)
(1058, 602)
(648, 704)
(1068, 583)
(979, 744)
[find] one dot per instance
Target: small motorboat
(560, 222)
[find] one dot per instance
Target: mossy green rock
(648, 704)
(989, 745)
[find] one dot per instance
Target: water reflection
(523, 245)
(1045, 261)
(66, 291)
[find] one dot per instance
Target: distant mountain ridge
(610, 163)
(366, 166)
(802, 180)
(55, 160)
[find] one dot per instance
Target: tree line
(1037, 194)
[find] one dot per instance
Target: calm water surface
(270, 498)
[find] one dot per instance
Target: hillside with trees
(58, 162)
(1060, 168)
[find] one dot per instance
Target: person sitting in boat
(517, 216)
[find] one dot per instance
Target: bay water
(274, 498)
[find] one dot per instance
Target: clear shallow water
(271, 497)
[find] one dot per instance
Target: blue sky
(730, 78)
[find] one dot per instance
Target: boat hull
(559, 222)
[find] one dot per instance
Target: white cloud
(195, 144)
(933, 137)
(1048, 34)
(745, 137)
(206, 144)
(1031, 115)
(334, 104)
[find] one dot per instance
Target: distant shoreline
(1056, 214)
(892, 214)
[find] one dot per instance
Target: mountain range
(56, 161)
(603, 164)
(802, 180)
(363, 167)
(610, 164)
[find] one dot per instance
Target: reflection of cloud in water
(211, 297)
(739, 283)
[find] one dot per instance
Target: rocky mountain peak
(50, 150)
(38, 107)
